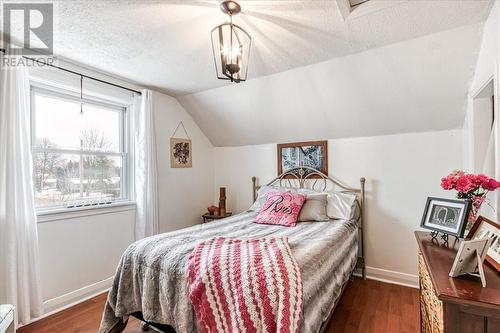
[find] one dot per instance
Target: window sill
(72, 213)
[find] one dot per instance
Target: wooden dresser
(454, 305)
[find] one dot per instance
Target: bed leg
(144, 327)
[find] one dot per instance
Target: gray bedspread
(152, 274)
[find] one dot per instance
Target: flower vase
(476, 201)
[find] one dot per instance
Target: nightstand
(6, 318)
(207, 217)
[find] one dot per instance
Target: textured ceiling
(165, 44)
(410, 86)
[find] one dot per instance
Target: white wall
(184, 194)
(78, 256)
(402, 170)
(489, 53)
(487, 70)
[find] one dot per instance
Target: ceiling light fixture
(231, 46)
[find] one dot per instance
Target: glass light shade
(231, 50)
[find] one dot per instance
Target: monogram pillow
(281, 208)
(264, 191)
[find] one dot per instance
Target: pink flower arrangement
(470, 186)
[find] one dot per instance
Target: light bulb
(229, 50)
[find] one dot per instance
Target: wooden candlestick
(222, 201)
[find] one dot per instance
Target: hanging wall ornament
(181, 150)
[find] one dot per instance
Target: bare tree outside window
(77, 158)
(44, 163)
(96, 168)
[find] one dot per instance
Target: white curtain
(145, 170)
(19, 266)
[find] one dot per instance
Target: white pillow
(262, 196)
(265, 190)
(341, 205)
(314, 208)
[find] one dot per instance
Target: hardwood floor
(366, 306)
(373, 306)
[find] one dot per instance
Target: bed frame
(302, 177)
(309, 178)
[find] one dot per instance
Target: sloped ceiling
(391, 66)
(165, 44)
(415, 85)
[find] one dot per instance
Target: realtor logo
(28, 28)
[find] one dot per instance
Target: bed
(151, 279)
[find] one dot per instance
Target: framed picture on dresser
(448, 216)
(312, 154)
(485, 228)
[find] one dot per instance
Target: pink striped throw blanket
(245, 286)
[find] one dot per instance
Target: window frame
(125, 146)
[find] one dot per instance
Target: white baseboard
(74, 297)
(384, 275)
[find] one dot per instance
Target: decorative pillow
(314, 208)
(264, 191)
(341, 205)
(281, 208)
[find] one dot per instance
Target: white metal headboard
(306, 177)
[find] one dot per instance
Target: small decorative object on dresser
(484, 228)
(470, 257)
(312, 154)
(454, 305)
(448, 216)
(180, 150)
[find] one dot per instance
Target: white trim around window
(57, 214)
(125, 152)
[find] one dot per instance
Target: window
(80, 159)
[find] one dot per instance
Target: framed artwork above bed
(313, 154)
